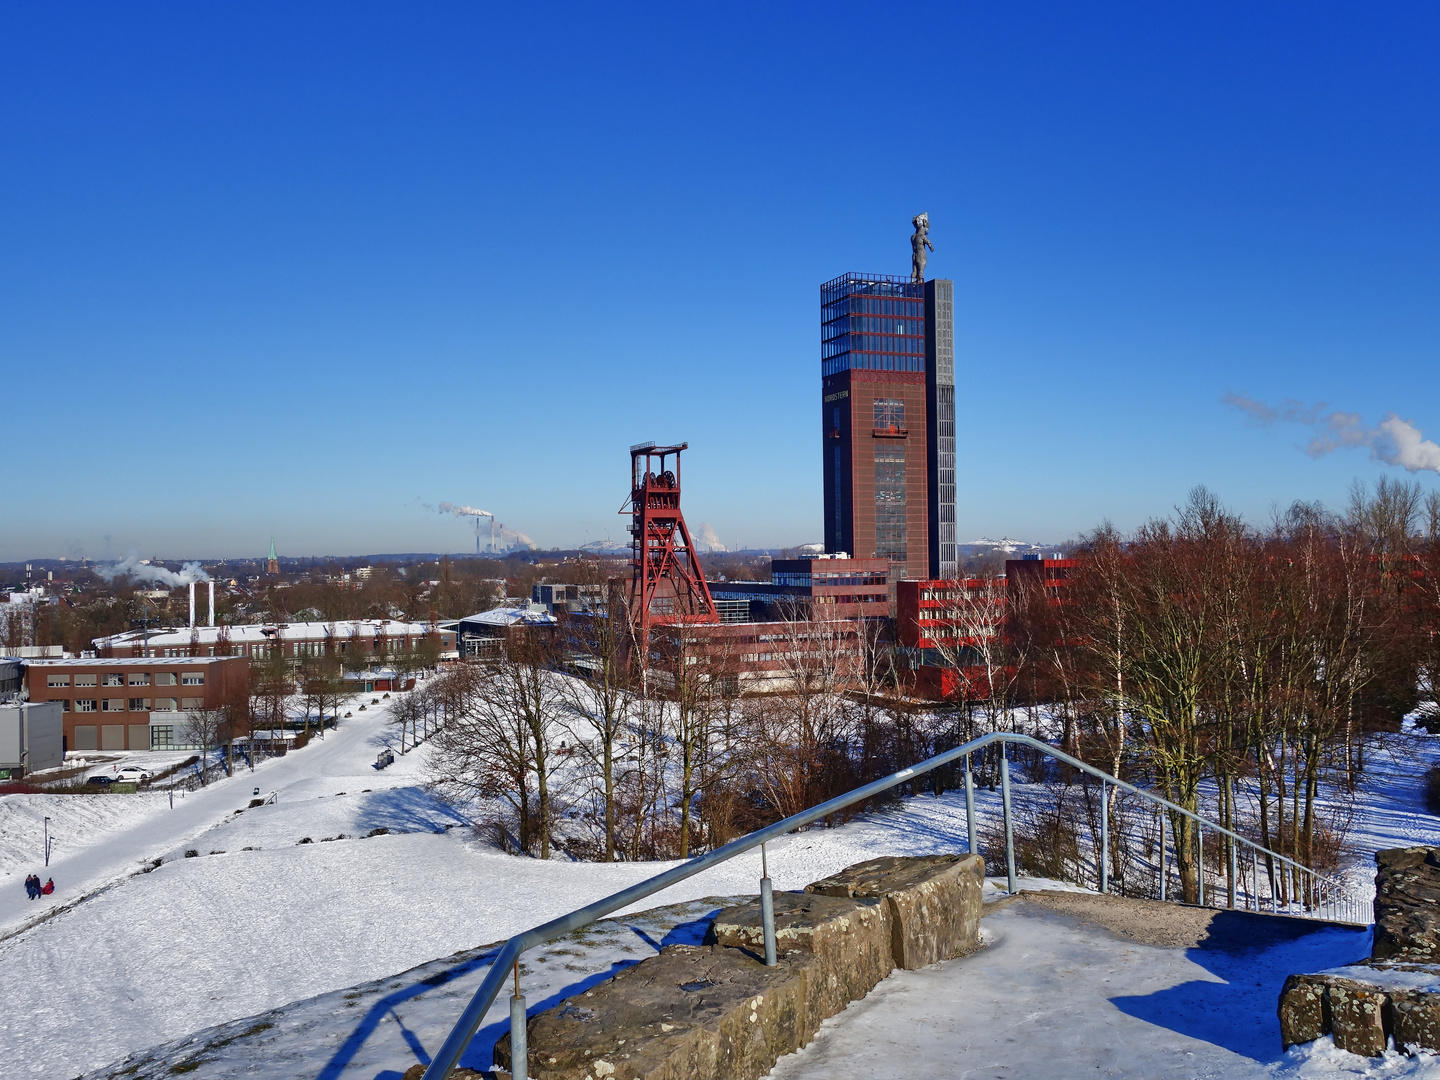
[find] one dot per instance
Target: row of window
(262, 650)
(864, 361)
(820, 579)
(134, 678)
(862, 324)
(131, 704)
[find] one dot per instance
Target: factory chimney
(192, 605)
(211, 583)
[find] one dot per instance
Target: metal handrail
(509, 955)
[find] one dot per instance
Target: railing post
(1199, 863)
(519, 1052)
(1163, 869)
(1104, 837)
(970, 806)
(1009, 831)
(767, 910)
(1232, 870)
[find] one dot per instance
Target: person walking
(32, 886)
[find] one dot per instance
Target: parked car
(132, 773)
(103, 779)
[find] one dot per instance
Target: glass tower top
(873, 322)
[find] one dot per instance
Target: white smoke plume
(709, 539)
(1393, 441)
(135, 570)
(463, 511)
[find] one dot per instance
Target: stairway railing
(1320, 897)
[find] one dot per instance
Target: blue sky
(305, 269)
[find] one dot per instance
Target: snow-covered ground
(206, 948)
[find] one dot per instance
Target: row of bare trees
(1203, 654)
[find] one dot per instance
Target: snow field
(215, 940)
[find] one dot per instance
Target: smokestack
(211, 583)
(192, 605)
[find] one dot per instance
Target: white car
(132, 774)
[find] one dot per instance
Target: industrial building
(887, 389)
(818, 587)
(481, 636)
(31, 739)
(106, 703)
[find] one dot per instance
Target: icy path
(346, 752)
(1052, 997)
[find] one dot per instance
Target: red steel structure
(667, 585)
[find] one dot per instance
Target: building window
(65, 704)
(139, 678)
(889, 413)
(890, 502)
(162, 737)
(112, 704)
(192, 678)
(57, 680)
(113, 678)
(192, 703)
(139, 704)
(165, 704)
(84, 704)
(85, 680)
(164, 678)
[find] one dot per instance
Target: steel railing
(1318, 896)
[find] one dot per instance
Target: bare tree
(205, 729)
(599, 704)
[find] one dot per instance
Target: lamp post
(47, 841)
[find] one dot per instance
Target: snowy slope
(268, 920)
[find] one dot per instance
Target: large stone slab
(1302, 1010)
(850, 940)
(933, 902)
(690, 1013)
(1357, 1017)
(1415, 1020)
(1407, 905)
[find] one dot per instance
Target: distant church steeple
(272, 564)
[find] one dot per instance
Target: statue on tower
(918, 243)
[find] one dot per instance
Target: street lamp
(47, 841)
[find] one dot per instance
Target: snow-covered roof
(261, 632)
(128, 661)
(508, 616)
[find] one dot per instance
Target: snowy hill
(263, 928)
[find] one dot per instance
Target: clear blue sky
(303, 269)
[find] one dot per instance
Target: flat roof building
(105, 703)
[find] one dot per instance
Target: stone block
(933, 902)
(690, 1013)
(1302, 1010)
(1357, 1017)
(1407, 905)
(850, 940)
(1415, 1020)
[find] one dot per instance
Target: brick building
(820, 587)
(887, 391)
(106, 704)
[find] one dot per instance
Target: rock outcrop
(1395, 994)
(1407, 905)
(933, 902)
(699, 1011)
(716, 1012)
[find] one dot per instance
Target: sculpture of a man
(918, 243)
